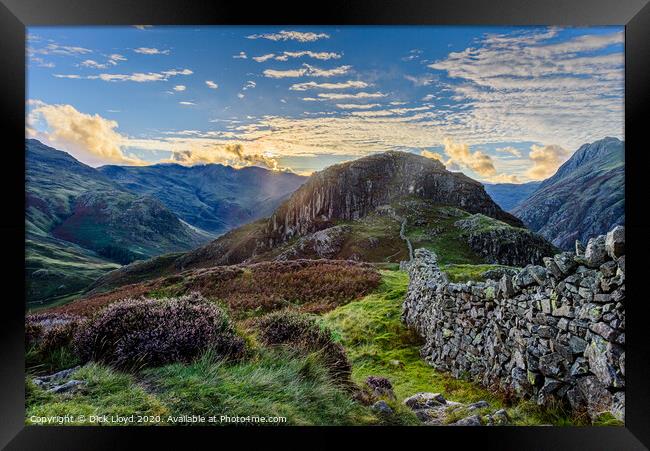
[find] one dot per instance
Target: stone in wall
(551, 332)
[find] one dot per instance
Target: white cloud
(142, 27)
(211, 84)
(249, 85)
(343, 85)
(460, 155)
(358, 95)
(412, 55)
(91, 138)
(309, 53)
(433, 155)
(240, 55)
(262, 58)
(138, 77)
(509, 150)
(179, 88)
(307, 71)
(112, 60)
(521, 86)
(546, 160)
(70, 76)
(56, 49)
(240, 95)
(151, 51)
(428, 98)
(357, 106)
(284, 35)
(420, 80)
(187, 103)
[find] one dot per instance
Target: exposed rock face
(499, 243)
(322, 244)
(351, 190)
(550, 332)
(585, 197)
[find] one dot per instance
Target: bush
(303, 333)
(47, 332)
(149, 332)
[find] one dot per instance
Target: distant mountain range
(584, 198)
(509, 195)
(82, 222)
(212, 197)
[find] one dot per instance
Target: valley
(308, 300)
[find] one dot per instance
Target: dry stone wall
(552, 332)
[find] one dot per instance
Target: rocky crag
(349, 191)
(552, 332)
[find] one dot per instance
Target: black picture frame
(15, 15)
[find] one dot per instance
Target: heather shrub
(47, 332)
(302, 333)
(148, 332)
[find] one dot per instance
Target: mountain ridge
(584, 198)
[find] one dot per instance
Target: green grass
(379, 344)
(107, 393)
(431, 226)
(37, 362)
(464, 273)
(58, 271)
(273, 383)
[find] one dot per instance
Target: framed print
(386, 219)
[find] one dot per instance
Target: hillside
(509, 195)
(80, 224)
(585, 197)
(212, 197)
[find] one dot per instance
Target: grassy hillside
(280, 381)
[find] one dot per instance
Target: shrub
(303, 334)
(48, 332)
(149, 332)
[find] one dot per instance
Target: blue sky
(497, 103)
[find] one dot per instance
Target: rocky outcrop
(349, 191)
(499, 243)
(549, 332)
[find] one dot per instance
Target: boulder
(382, 407)
(596, 253)
(597, 398)
(424, 400)
(615, 242)
(472, 420)
(69, 386)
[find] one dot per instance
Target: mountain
(212, 197)
(584, 198)
(509, 195)
(374, 209)
(80, 224)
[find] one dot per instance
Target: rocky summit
(351, 190)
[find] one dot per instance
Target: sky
(500, 104)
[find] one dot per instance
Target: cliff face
(351, 190)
